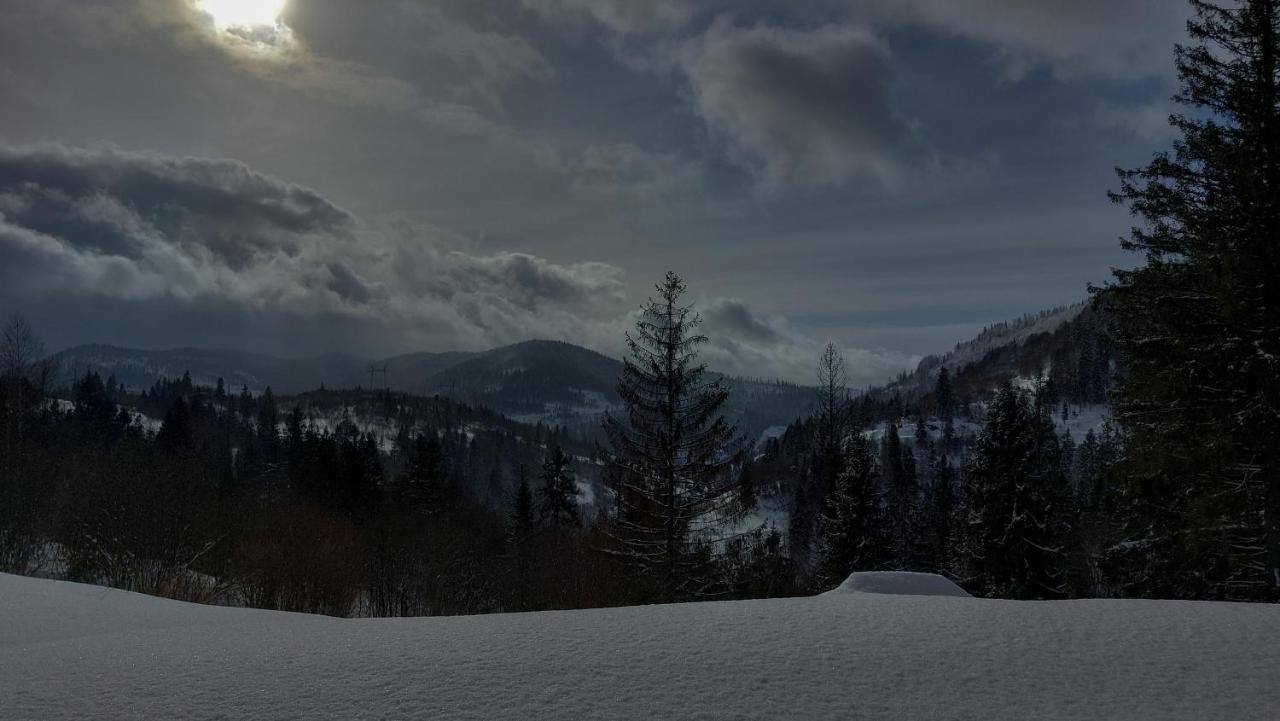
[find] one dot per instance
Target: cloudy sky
(382, 176)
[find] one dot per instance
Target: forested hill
(1067, 347)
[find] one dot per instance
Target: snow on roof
(900, 583)
(70, 651)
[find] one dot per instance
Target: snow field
(74, 651)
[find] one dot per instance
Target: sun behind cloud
(251, 28)
(244, 14)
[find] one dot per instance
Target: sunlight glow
(246, 14)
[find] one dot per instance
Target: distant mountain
(533, 378)
(538, 381)
(559, 383)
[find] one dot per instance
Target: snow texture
(70, 651)
(900, 584)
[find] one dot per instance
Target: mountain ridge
(560, 383)
(534, 381)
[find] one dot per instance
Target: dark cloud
(148, 227)
(804, 107)
(466, 49)
(106, 199)
(733, 317)
(625, 17)
(1110, 38)
(347, 284)
(214, 240)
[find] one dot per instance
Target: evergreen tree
(747, 488)
(245, 405)
(558, 494)
(850, 538)
(521, 525)
(803, 515)
(522, 520)
(175, 430)
(673, 460)
(1013, 546)
(944, 402)
(422, 478)
(1097, 531)
(295, 440)
(825, 464)
(268, 420)
(901, 501)
(357, 469)
(939, 516)
(831, 421)
(1199, 322)
(921, 435)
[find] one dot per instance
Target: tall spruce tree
(1097, 531)
(521, 524)
(268, 422)
(674, 456)
(1012, 525)
(939, 518)
(421, 480)
(901, 501)
(558, 494)
(850, 536)
(944, 404)
(830, 427)
(832, 419)
(1199, 322)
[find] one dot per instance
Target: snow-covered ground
(74, 651)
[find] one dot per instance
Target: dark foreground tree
(939, 519)
(1015, 498)
(1199, 322)
(24, 381)
(901, 502)
(851, 539)
(521, 524)
(674, 457)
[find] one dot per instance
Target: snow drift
(900, 584)
(75, 651)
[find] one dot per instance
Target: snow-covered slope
(1000, 335)
(72, 651)
(1067, 345)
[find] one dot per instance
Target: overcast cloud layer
(433, 175)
